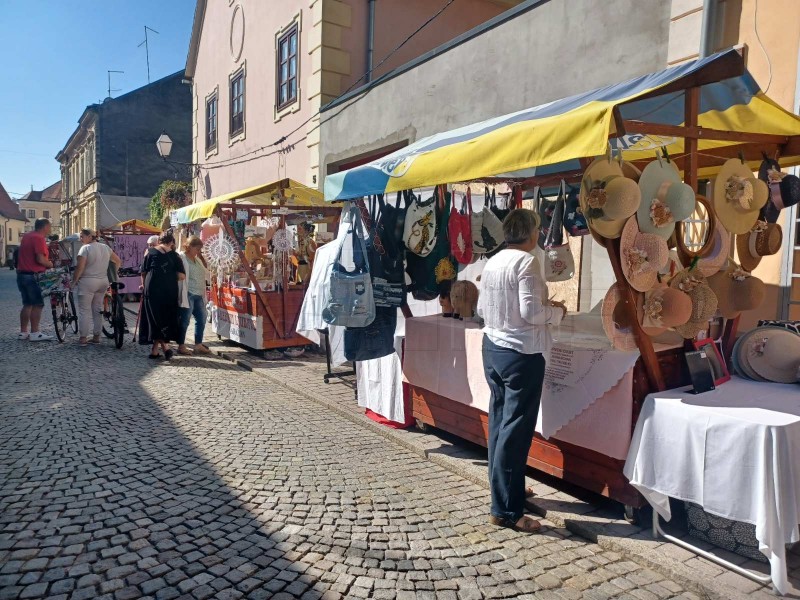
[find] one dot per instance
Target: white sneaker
(40, 337)
(23, 335)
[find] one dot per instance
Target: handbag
(430, 273)
(545, 209)
(376, 340)
(574, 220)
(350, 301)
(487, 231)
(501, 213)
(559, 264)
(459, 229)
(419, 228)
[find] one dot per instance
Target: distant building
(42, 204)
(12, 225)
(110, 167)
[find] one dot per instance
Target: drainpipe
(708, 31)
(370, 39)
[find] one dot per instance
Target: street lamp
(164, 145)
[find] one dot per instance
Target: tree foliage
(170, 195)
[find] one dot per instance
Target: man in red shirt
(33, 259)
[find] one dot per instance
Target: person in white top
(91, 280)
(516, 343)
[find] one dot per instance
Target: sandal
(94, 340)
(83, 343)
(525, 524)
(529, 493)
(169, 354)
(154, 356)
(185, 351)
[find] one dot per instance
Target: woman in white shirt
(516, 343)
(91, 280)
(193, 297)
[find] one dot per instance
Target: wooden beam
(690, 112)
(703, 133)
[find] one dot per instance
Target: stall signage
(232, 299)
(242, 328)
(639, 142)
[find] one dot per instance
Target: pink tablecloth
(444, 356)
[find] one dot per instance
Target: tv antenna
(146, 45)
(109, 82)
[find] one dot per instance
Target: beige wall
(53, 208)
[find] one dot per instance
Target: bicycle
(114, 314)
(62, 305)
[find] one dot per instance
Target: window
(46, 214)
(237, 104)
(10, 234)
(211, 123)
(31, 213)
(286, 80)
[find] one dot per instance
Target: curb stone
(637, 549)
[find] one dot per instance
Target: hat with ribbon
(740, 357)
(784, 189)
(704, 301)
(765, 239)
(642, 255)
(773, 353)
(715, 259)
(607, 198)
(657, 310)
(737, 291)
(665, 198)
(738, 196)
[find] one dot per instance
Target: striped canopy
(551, 138)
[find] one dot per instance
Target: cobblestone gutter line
(699, 576)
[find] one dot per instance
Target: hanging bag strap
(356, 230)
(557, 220)
(516, 193)
(466, 201)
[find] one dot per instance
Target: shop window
(237, 104)
(286, 79)
(211, 122)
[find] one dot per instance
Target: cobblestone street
(123, 479)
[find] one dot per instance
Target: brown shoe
(201, 349)
(524, 525)
(184, 351)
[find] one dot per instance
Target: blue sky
(55, 54)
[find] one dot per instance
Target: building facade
(12, 225)
(42, 204)
(260, 72)
(110, 166)
(539, 51)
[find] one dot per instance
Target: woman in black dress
(161, 270)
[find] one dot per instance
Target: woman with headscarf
(160, 321)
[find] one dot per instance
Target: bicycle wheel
(73, 314)
(108, 316)
(57, 306)
(119, 322)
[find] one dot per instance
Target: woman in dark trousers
(516, 343)
(160, 320)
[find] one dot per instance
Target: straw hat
(630, 171)
(607, 198)
(643, 255)
(712, 262)
(665, 199)
(774, 354)
(740, 358)
(765, 239)
(737, 291)
(738, 196)
(704, 301)
(657, 310)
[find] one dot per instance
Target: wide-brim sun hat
(738, 196)
(774, 354)
(765, 239)
(593, 192)
(662, 308)
(642, 256)
(665, 198)
(715, 259)
(704, 301)
(740, 358)
(737, 291)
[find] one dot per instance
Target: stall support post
(259, 291)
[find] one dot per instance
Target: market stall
(688, 122)
(659, 171)
(128, 239)
(259, 260)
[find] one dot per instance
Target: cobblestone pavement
(124, 479)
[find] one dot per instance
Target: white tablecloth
(735, 451)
